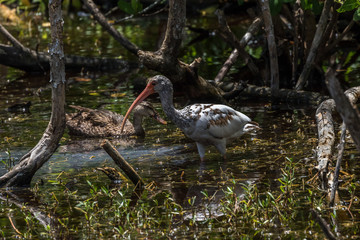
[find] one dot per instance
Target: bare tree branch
(315, 45)
(269, 29)
(102, 20)
(230, 37)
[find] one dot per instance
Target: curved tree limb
(23, 172)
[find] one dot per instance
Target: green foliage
(348, 5)
(131, 7)
(314, 5)
(357, 15)
(275, 5)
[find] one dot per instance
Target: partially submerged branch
(286, 95)
(123, 164)
(326, 133)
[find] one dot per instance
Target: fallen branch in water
(123, 164)
(325, 125)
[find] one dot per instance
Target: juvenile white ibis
(104, 123)
(206, 124)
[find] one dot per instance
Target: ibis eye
(153, 83)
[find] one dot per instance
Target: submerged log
(286, 95)
(40, 62)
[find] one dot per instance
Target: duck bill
(144, 94)
(159, 119)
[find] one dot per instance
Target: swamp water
(263, 190)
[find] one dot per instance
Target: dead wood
(321, 27)
(335, 183)
(270, 35)
(23, 172)
(230, 37)
(123, 164)
(297, 47)
(27, 201)
(324, 225)
(345, 105)
(325, 124)
(285, 95)
(31, 61)
(165, 59)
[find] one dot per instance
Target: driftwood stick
(341, 147)
(123, 164)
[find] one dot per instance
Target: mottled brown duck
(104, 123)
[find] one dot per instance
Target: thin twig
(338, 164)
(323, 224)
(11, 38)
(230, 37)
(12, 224)
(145, 10)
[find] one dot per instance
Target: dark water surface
(165, 155)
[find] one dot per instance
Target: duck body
(206, 124)
(101, 123)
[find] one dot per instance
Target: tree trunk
(23, 172)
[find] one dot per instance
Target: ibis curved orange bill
(144, 94)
